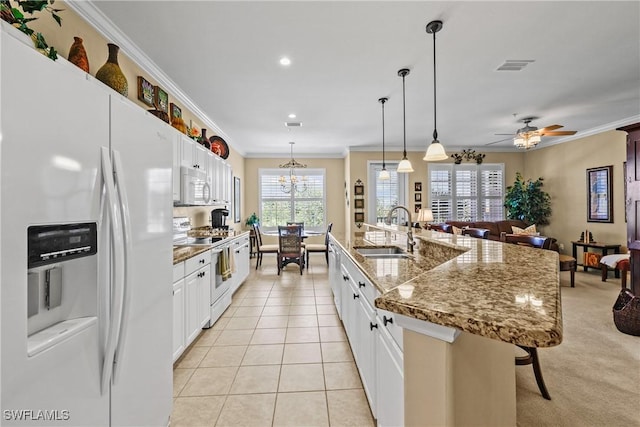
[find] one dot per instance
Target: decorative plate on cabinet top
(219, 146)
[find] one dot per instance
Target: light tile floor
(277, 357)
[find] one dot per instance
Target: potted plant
(527, 201)
(253, 219)
(18, 18)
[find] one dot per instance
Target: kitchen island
(462, 303)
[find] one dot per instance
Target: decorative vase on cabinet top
(78, 55)
(204, 140)
(111, 74)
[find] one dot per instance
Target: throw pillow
(456, 230)
(530, 230)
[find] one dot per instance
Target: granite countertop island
(500, 291)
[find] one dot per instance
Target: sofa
(495, 228)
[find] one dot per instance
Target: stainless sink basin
(382, 252)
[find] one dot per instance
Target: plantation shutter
(466, 192)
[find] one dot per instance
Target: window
(467, 192)
(383, 195)
(306, 204)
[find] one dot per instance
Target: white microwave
(195, 187)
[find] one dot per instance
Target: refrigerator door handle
(120, 183)
(117, 282)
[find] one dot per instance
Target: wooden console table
(600, 246)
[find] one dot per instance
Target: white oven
(195, 187)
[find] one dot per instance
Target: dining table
(305, 233)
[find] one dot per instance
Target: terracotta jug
(78, 55)
(111, 74)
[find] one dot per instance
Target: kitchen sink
(382, 252)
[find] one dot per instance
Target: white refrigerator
(85, 249)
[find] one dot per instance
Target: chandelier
(292, 183)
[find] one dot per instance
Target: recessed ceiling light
(285, 61)
(292, 116)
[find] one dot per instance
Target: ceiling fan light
(405, 166)
(435, 152)
(535, 139)
(384, 175)
(519, 141)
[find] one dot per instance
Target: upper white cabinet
(193, 154)
(190, 154)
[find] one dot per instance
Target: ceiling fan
(529, 136)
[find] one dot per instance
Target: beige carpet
(594, 375)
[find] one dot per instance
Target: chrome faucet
(410, 242)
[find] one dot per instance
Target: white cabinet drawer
(196, 262)
(178, 271)
(364, 285)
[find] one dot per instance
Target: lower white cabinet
(242, 259)
(197, 293)
(191, 300)
(389, 380)
(335, 275)
(375, 339)
(178, 319)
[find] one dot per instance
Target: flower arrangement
(17, 18)
(193, 133)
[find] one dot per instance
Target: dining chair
(299, 224)
(531, 358)
(261, 248)
(290, 248)
(478, 233)
(318, 247)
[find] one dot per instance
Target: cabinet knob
(361, 284)
(345, 278)
(356, 296)
(373, 325)
(201, 261)
(386, 320)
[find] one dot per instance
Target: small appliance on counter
(219, 218)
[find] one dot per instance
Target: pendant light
(384, 173)
(405, 165)
(435, 151)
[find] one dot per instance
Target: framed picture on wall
(358, 190)
(600, 194)
(358, 217)
(417, 186)
(417, 207)
(417, 197)
(358, 203)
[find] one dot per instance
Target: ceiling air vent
(515, 64)
(293, 124)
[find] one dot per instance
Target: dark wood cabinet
(632, 202)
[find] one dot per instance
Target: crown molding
(103, 25)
